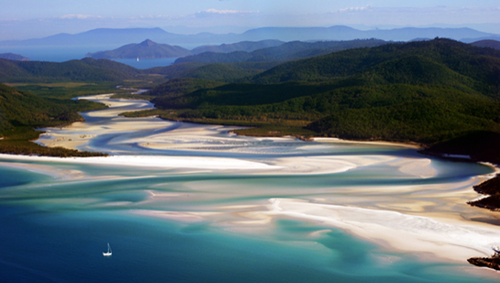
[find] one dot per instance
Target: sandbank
(337, 140)
(46, 170)
(409, 233)
(166, 162)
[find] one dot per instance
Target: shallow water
(322, 211)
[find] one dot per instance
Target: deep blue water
(53, 54)
(62, 54)
(147, 63)
(40, 246)
(56, 232)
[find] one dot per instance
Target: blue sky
(20, 19)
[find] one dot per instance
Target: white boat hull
(108, 253)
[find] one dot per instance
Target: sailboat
(109, 252)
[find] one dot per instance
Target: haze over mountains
(145, 49)
(150, 49)
(487, 43)
(286, 51)
(245, 51)
(119, 37)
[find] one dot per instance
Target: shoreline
(388, 143)
(449, 241)
(294, 208)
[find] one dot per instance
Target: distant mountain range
(246, 46)
(151, 49)
(119, 37)
(12, 56)
(284, 52)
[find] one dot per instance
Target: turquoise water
(178, 224)
(55, 231)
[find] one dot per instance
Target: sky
(23, 19)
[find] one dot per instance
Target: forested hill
(287, 51)
(422, 92)
(440, 61)
(247, 46)
(11, 56)
(21, 113)
(495, 44)
(87, 69)
(145, 49)
(20, 109)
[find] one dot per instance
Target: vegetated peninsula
(21, 113)
(478, 146)
(12, 56)
(145, 49)
(87, 69)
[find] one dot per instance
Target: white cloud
(79, 17)
(355, 9)
(224, 12)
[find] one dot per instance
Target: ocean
(182, 202)
(63, 54)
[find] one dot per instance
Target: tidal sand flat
(186, 202)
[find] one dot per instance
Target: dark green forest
(21, 113)
(421, 92)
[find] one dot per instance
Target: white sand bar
(456, 241)
(167, 162)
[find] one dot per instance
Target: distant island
(146, 49)
(12, 56)
(149, 49)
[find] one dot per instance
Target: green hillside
(288, 51)
(85, 70)
(433, 62)
(21, 113)
(424, 114)
(145, 49)
(230, 72)
(227, 72)
(495, 44)
(416, 92)
(174, 71)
